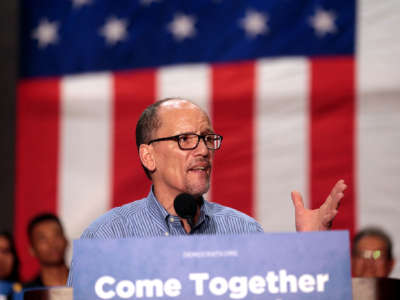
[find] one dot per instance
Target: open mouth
(200, 169)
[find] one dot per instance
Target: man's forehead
(4, 241)
(46, 224)
(169, 110)
(178, 104)
(372, 241)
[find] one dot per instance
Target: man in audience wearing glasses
(372, 253)
(176, 144)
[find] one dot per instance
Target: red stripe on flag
(133, 92)
(37, 148)
(233, 117)
(332, 134)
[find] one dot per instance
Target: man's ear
(66, 242)
(31, 251)
(147, 157)
(390, 266)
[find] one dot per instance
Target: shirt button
(171, 219)
(166, 234)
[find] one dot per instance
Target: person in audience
(9, 262)
(372, 254)
(48, 244)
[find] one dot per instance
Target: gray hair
(148, 123)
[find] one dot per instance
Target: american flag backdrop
(304, 93)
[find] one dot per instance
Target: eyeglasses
(372, 254)
(190, 141)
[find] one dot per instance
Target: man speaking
(176, 144)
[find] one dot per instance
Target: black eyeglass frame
(199, 136)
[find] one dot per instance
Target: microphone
(186, 207)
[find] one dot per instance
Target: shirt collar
(205, 212)
(160, 213)
(155, 208)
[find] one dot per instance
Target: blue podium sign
(257, 266)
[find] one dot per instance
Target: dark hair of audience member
(377, 232)
(42, 218)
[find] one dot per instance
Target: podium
(289, 266)
(45, 293)
(363, 289)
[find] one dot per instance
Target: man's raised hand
(320, 218)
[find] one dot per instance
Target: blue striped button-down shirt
(148, 218)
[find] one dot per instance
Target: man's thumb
(297, 200)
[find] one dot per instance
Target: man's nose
(370, 267)
(202, 147)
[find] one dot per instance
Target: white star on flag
(114, 30)
(149, 2)
(323, 22)
(254, 23)
(80, 3)
(46, 33)
(182, 27)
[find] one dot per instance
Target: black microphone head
(185, 206)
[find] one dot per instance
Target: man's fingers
(328, 219)
(336, 194)
(337, 199)
(297, 200)
(339, 187)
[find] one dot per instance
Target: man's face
(6, 258)
(370, 258)
(48, 243)
(181, 171)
